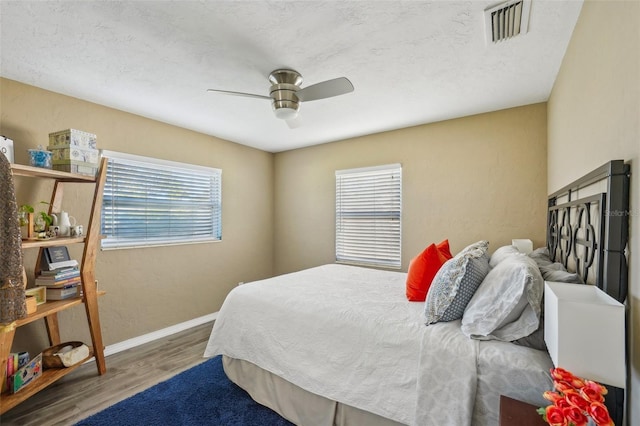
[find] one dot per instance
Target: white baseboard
(150, 337)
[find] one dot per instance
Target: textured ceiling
(411, 62)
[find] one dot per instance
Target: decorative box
(26, 374)
(39, 293)
(6, 147)
(78, 167)
(76, 154)
(72, 138)
(32, 304)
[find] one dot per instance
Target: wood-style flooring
(84, 392)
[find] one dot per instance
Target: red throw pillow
(423, 268)
(443, 248)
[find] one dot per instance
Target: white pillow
(541, 256)
(503, 253)
(507, 304)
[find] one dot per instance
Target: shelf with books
(52, 307)
(48, 308)
(48, 377)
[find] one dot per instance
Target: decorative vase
(40, 224)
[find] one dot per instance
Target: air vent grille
(507, 20)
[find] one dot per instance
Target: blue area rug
(202, 395)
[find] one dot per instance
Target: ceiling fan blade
(247, 95)
(325, 89)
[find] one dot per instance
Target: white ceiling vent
(506, 20)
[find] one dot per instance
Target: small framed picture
(56, 254)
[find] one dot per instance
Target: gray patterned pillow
(456, 282)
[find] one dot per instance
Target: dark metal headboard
(588, 235)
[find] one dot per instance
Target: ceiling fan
(286, 94)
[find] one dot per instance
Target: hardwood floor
(83, 392)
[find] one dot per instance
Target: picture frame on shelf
(56, 257)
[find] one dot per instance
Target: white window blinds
(368, 215)
(150, 202)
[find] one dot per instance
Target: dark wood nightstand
(518, 413)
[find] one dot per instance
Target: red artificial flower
(561, 374)
(574, 416)
(555, 416)
(596, 387)
(575, 399)
(552, 396)
(591, 394)
(599, 414)
(562, 403)
(577, 383)
(562, 386)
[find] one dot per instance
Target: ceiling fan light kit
(285, 84)
(284, 112)
(286, 94)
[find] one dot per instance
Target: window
(150, 202)
(368, 215)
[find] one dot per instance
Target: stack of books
(61, 283)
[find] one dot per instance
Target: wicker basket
(51, 360)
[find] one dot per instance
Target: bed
(342, 345)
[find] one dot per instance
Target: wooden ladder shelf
(49, 310)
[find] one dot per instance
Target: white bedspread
(349, 334)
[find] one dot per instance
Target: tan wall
(151, 288)
(594, 117)
(479, 177)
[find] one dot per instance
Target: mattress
(348, 334)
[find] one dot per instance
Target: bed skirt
(295, 404)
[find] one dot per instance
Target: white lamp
(584, 329)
